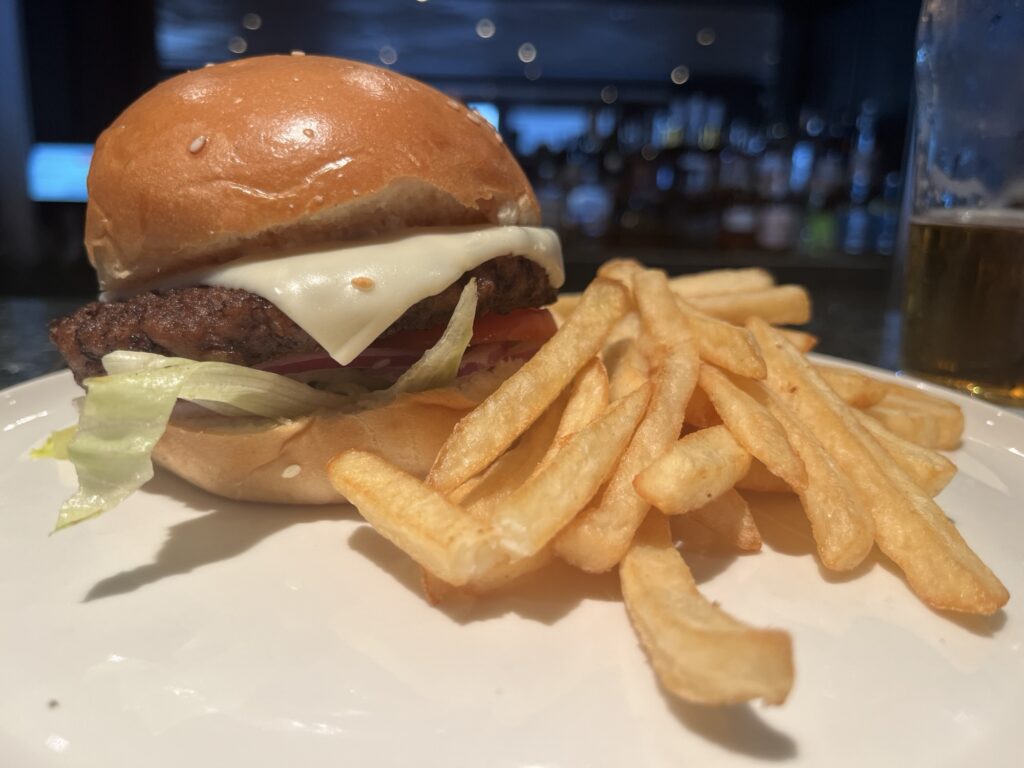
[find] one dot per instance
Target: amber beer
(963, 311)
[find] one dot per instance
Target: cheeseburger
(296, 255)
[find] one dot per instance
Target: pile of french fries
(658, 398)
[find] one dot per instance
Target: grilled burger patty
(235, 326)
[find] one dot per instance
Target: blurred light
(421, 1)
(532, 71)
(388, 55)
(648, 152)
(815, 126)
(680, 74)
(771, 58)
(706, 36)
(485, 28)
(237, 45)
(779, 131)
(487, 110)
(609, 94)
(56, 172)
(252, 21)
(527, 53)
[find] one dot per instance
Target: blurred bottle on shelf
(778, 216)
(681, 176)
(735, 194)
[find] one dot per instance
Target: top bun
(277, 152)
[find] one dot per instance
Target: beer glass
(963, 305)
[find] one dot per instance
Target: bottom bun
(286, 462)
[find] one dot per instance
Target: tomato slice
(404, 348)
(518, 325)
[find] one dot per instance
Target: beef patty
(235, 326)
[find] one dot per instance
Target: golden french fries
(529, 517)
(696, 470)
(930, 470)
(587, 400)
(723, 344)
(909, 528)
(512, 467)
(729, 516)
(758, 478)
(919, 417)
(718, 342)
(598, 538)
(581, 451)
(699, 652)
(856, 389)
(437, 534)
(700, 412)
(802, 340)
(483, 434)
(781, 305)
(631, 369)
(843, 528)
(718, 281)
(753, 426)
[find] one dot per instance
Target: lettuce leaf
(56, 445)
(440, 364)
(126, 412)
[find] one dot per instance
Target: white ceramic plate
(183, 629)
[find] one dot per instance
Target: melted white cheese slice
(324, 294)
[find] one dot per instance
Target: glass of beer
(963, 305)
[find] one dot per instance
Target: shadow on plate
(226, 530)
(785, 529)
(544, 596)
(737, 728)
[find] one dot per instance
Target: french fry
(758, 478)
(700, 412)
(729, 516)
(919, 417)
(440, 536)
(909, 527)
(485, 432)
(802, 340)
(723, 344)
(753, 426)
(588, 399)
(502, 574)
(660, 311)
(512, 468)
(631, 369)
(782, 305)
(856, 389)
(529, 517)
(930, 470)
(599, 536)
(620, 270)
(719, 281)
(699, 652)
(696, 470)
(842, 526)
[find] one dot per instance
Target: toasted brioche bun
(262, 460)
(275, 152)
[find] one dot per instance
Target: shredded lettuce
(56, 445)
(440, 364)
(126, 412)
